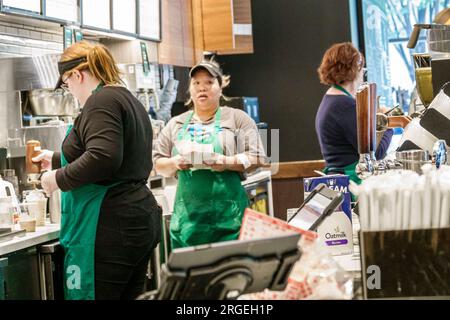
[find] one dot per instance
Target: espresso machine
(140, 83)
(408, 155)
(31, 110)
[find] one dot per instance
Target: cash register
(227, 270)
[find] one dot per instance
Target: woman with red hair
(342, 70)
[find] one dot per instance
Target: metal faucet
(367, 121)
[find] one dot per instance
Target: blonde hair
(100, 62)
(224, 82)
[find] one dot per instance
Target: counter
(42, 235)
(29, 267)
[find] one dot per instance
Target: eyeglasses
(64, 85)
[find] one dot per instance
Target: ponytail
(103, 66)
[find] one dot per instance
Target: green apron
(80, 209)
(209, 205)
(349, 170)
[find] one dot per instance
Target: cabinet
(177, 45)
(226, 25)
(19, 275)
(190, 27)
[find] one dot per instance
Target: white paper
(240, 29)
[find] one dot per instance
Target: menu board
(96, 13)
(29, 5)
(124, 15)
(62, 9)
(149, 19)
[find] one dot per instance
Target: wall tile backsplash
(23, 40)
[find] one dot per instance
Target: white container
(6, 214)
(7, 190)
(38, 210)
(37, 206)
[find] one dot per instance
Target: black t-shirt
(111, 141)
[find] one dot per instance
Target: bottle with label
(33, 169)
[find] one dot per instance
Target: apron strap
(217, 128)
(185, 125)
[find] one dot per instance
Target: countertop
(42, 235)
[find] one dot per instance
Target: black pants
(126, 236)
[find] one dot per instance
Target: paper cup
(28, 225)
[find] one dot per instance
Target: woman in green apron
(210, 200)
(342, 70)
(110, 221)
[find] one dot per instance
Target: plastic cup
(38, 211)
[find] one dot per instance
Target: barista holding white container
(110, 220)
(209, 202)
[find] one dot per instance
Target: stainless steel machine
(140, 83)
(412, 140)
(30, 109)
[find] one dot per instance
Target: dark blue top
(337, 133)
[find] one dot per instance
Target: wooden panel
(188, 33)
(287, 193)
(242, 11)
(299, 169)
(197, 19)
(244, 45)
(398, 121)
(170, 49)
(217, 24)
(242, 14)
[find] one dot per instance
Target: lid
(35, 195)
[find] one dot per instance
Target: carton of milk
(336, 231)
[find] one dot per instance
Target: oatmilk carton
(335, 232)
